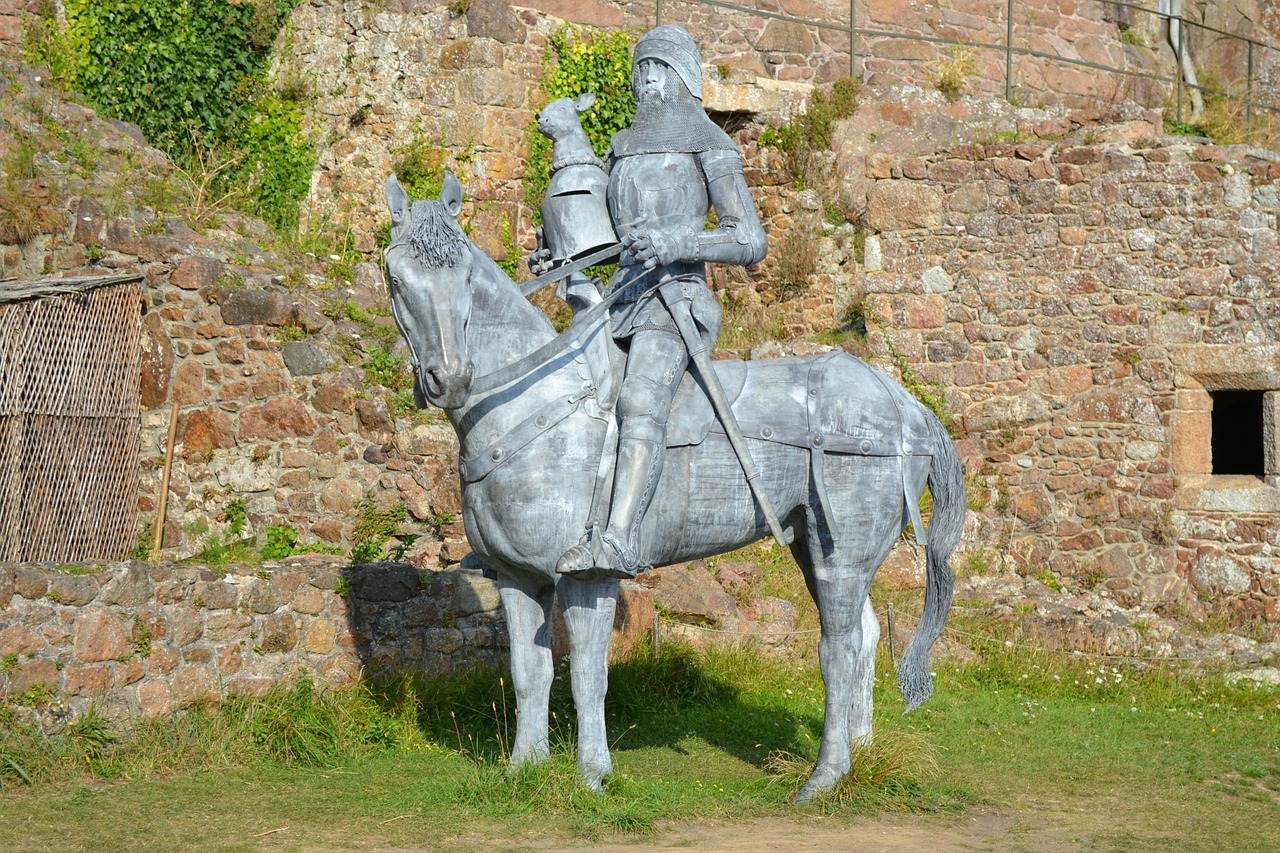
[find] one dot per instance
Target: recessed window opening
(1237, 433)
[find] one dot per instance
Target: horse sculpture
(843, 452)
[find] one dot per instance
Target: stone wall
(138, 640)
(1078, 303)
(469, 82)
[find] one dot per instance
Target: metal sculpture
(842, 453)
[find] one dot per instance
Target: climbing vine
(582, 60)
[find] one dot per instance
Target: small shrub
(382, 367)
(237, 513)
(953, 73)
(281, 542)
(797, 260)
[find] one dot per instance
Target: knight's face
(650, 81)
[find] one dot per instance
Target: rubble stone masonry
(1080, 303)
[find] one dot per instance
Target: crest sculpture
(590, 455)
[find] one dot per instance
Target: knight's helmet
(575, 216)
(671, 44)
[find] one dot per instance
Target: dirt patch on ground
(979, 830)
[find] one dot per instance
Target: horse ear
(583, 102)
(397, 199)
(451, 194)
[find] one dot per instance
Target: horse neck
(504, 326)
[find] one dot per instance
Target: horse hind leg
(589, 607)
(860, 713)
(840, 603)
(527, 605)
(839, 566)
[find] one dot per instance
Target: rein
(521, 367)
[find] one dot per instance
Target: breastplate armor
(657, 192)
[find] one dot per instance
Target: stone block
(473, 593)
(30, 674)
(492, 87)
(385, 582)
(1191, 447)
(260, 596)
(130, 586)
(20, 640)
(374, 420)
(31, 584)
(303, 358)
(493, 19)
(194, 273)
(1216, 573)
(86, 680)
(195, 684)
(215, 595)
(228, 626)
(155, 699)
(255, 308)
(72, 590)
(427, 440)
(321, 637)
(690, 592)
(1271, 433)
(308, 600)
(280, 418)
(278, 634)
(903, 206)
(99, 637)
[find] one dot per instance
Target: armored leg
(656, 361)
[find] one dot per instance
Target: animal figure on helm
(666, 172)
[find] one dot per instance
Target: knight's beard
(651, 95)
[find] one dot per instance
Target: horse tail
(946, 524)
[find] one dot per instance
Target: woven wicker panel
(70, 475)
(10, 486)
(13, 335)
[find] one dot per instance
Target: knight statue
(665, 173)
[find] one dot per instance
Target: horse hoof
(593, 778)
(820, 783)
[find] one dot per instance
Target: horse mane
(433, 235)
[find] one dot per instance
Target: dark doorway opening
(1237, 433)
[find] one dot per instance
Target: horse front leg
(589, 607)
(527, 603)
(840, 604)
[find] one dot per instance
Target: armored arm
(739, 237)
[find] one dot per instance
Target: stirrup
(600, 556)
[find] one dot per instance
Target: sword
(701, 361)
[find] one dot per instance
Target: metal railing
(1011, 49)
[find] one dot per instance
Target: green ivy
(582, 60)
(192, 75)
(173, 67)
(277, 161)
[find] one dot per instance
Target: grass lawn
(1115, 757)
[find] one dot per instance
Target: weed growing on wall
(277, 159)
(810, 132)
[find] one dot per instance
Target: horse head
(428, 268)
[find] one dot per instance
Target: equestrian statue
(618, 444)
